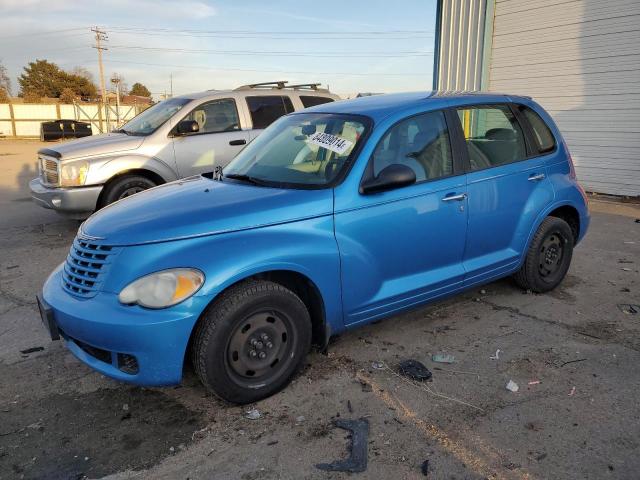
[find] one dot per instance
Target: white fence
(24, 119)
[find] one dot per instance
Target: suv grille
(49, 171)
(86, 266)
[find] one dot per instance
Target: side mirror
(391, 177)
(186, 127)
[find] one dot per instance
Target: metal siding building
(579, 59)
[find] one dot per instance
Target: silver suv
(176, 138)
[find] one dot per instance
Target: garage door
(581, 61)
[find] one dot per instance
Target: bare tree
(5, 81)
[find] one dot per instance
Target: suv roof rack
(277, 84)
(281, 84)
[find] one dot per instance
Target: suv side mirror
(186, 127)
(391, 177)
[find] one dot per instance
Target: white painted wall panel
(581, 60)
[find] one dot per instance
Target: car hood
(97, 145)
(198, 206)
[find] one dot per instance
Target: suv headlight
(73, 174)
(162, 289)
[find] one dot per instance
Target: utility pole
(115, 79)
(101, 36)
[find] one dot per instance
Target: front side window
(267, 109)
(421, 143)
(154, 117)
(312, 101)
(300, 150)
(541, 132)
(493, 136)
(216, 116)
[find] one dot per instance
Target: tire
(125, 186)
(548, 257)
(247, 318)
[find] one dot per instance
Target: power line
(48, 32)
(279, 33)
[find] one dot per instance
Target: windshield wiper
(244, 178)
(121, 130)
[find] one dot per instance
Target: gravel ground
(573, 353)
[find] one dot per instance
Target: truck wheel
(548, 257)
(250, 342)
(125, 186)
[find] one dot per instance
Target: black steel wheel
(548, 258)
(251, 341)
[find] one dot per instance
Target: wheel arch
(143, 172)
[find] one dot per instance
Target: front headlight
(163, 289)
(73, 174)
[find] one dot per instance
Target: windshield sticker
(330, 142)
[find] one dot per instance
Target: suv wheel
(124, 187)
(251, 341)
(548, 257)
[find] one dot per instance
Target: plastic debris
(534, 382)
(357, 461)
(253, 414)
(629, 308)
(512, 386)
(443, 358)
(425, 468)
(415, 370)
(496, 356)
(378, 365)
(300, 419)
(572, 392)
(31, 350)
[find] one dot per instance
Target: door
(217, 141)
(266, 109)
(507, 189)
(402, 247)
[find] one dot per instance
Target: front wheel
(251, 341)
(124, 187)
(548, 257)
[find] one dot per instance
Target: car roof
(236, 93)
(381, 106)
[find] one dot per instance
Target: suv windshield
(152, 118)
(308, 149)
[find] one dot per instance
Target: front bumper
(78, 201)
(101, 332)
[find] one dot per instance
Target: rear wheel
(124, 187)
(251, 341)
(548, 257)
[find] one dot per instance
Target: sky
(351, 46)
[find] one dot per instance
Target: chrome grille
(49, 171)
(87, 264)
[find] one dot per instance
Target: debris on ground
(625, 269)
(443, 358)
(357, 461)
(300, 419)
(573, 361)
(349, 406)
(378, 365)
(366, 386)
(253, 414)
(629, 308)
(425, 468)
(534, 382)
(572, 392)
(512, 386)
(496, 356)
(31, 350)
(415, 370)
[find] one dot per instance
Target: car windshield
(154, 117)
(303, 150)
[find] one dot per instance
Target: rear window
(267, 109)
(543, 136)
(309, 101)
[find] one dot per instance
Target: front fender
(306, 247)
(101, 170)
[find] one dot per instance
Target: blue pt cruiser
(334, 217)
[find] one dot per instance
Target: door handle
(535, 177)
(451, 198)
(241, 141)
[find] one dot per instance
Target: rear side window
(421, 143)
(309, 101)
(543, 136)
(493, 136)
(267, 109)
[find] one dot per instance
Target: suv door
(507, 186)
(266, 109)
(218, 140)
(402, 247)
